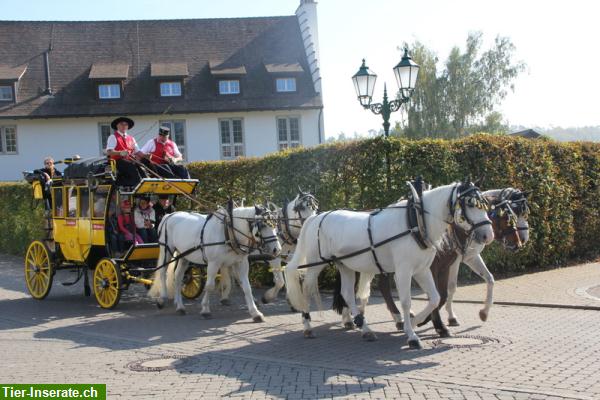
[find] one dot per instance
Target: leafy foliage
(460, 99)
(563, 178)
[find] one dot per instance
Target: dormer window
(6, 93)
(285, 84)
(285, 75)
(229, 77)
(170, 89)
(108, 80)
(229, 86)
(108, 91)
(169, 78)
(9, 82)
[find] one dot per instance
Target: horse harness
(226, 217)
(415, 229)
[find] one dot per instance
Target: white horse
(290, 219)
(517, 202)
(336, 235)
(220, 240)
(508, 213)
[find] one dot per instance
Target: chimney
(307, 19)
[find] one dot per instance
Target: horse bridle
(517, 201)
(471, 197)
(496, 213)
(306, 200)
(259, 221)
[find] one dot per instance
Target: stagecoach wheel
(107, 283)
(193, 283)
(38, 270)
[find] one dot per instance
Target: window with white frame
(8, 140)
(108, 91)
(177, 134)
(232, 138)
(285, 84)
(170, 89)
(6, 93)
(288, 132)
(105, 131)
(229, 87)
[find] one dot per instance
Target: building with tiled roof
(227, 87)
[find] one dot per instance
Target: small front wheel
(38, 270)
(107, 283)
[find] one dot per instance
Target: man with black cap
(164, 156)
(123, 148)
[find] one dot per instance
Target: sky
(557, 40)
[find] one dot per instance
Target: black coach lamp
(406, 73)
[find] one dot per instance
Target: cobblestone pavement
(139, 351)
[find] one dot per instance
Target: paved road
(522, 352)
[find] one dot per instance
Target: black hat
(121, 119)
(164, 130)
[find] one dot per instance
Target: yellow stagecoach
(79, 223)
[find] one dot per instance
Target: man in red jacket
(123, 148)
(164, 156)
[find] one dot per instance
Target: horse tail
(171, 276)
(364, 285)
(163, 256)
(338, 300)
(292, 274)
(154, 290)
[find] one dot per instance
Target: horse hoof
(292, 309)
(309, 334)
(258, 318)
(400, 325)
(453, 322)
(415, 344)
(206, 315)
(348, 326)
(369, 336)
(444, 333)
(180, 311)
(412, 314)
(225, 302)
(483, 315)
(160, 305)
(264, 300)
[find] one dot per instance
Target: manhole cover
(156, 364)
(594, 291)
(463, 341)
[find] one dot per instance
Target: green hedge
(564, 180)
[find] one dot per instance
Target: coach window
(72, 202)
(84, 202)
(99, 199)
(58, 202)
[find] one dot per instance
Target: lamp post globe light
(406, 73)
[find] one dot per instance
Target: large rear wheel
(107, 283)
(38, 270)
(193, 282)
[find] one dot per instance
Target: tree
(461, 98)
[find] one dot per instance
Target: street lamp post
(406, 73)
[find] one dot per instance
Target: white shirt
(111, 142)
(140, 217)
(150, 146)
